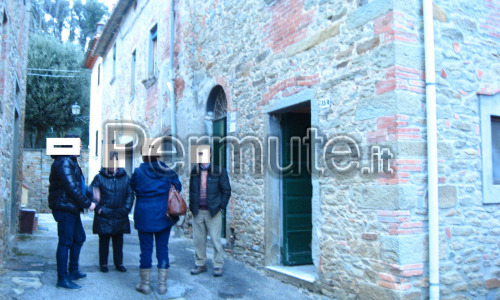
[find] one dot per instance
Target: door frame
(273, 182)
(210, 118)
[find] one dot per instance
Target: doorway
(15, 161)
(219, 154)
(296, 187)
(217, 114)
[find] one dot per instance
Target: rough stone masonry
(13, 60)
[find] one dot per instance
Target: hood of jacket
(156, 170)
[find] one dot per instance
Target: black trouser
(117, 248)
(71, 237)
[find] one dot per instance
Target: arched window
(217, 103)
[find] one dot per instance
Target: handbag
(176, 204)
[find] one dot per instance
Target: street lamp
(75, 110)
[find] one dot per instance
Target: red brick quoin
(401, 78)
(395, 26)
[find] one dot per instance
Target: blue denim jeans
(146, 242)
(71, 237)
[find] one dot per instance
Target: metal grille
(220, 106)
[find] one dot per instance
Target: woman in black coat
(111, 214)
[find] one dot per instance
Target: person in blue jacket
(151, 183)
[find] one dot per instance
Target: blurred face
(113, 166)
(150, 158)
(202, 153)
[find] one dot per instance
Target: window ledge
(150, 81)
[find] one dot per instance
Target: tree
(50, 94)
(53, 17)
(85, 18)
(52, 91)
(50, 16)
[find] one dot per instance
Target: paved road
(30, 272)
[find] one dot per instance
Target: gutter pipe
(432, 161)
(173, 129)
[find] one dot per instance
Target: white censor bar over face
(152, 147)
(63, 146)
(200, 154)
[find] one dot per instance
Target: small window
(152, 65)
(495, 149)
(114, 60)
(99, 74)
(132, 75)
(97, 143)
(490, 137)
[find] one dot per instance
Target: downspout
(173, 129)
(432, 162)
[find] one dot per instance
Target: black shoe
(75, 275)
(66, 283)
(121, 268)
(104, 269)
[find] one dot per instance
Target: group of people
(111, 196)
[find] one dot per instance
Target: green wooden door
(297, 192)
(219, 156)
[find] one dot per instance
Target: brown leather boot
(144, 286)
(162, 281)
(198, 269)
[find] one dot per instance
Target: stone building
(260, 72)
(13, 60)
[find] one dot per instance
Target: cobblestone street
(30, 272)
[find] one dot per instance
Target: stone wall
(13, 54)
(367, 57)
(36, 172)
(467, 66)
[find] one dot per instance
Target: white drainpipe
(432, 161)
(172, 75)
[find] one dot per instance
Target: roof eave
(112, 26)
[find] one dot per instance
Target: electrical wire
(54, 70)
(56, 76)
